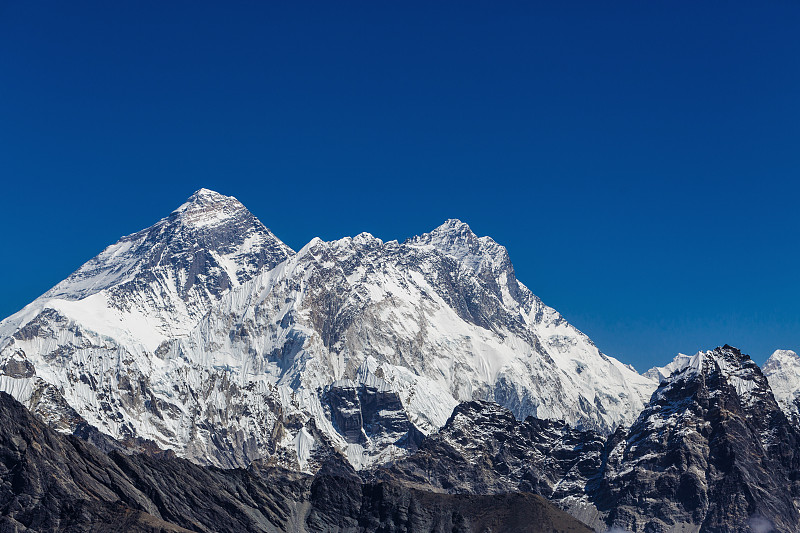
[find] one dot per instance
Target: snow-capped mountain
(207, 335)
(92, 348)
(156, 284)
(783, 372)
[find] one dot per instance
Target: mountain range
(377, 366)
(208, 336)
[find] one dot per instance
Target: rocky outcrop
(370, 413)
(483, 449)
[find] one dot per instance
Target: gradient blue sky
(638, 159)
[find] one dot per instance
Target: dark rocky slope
(51, 482)
(711, 452)
(483, 449)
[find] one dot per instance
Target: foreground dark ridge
(51, 482)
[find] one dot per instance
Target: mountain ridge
(425, 363)
(207, 335)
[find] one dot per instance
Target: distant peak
(453, 225)
(208, 208)
(205, 196)
(205, 192)
(453, 237)
(723, 356)
(781, 359)
(456, 239)
(784, 354)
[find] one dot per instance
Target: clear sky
(638, 159)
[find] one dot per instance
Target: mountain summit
(160, 281)
(207, 335)
(211, 239)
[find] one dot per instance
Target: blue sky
(638, 159)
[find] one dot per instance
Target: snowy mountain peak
(207, 195)
(210, 238)
(782, 359)
(205, 198)
(209, 336)
(722, 365)
(453, 226)
(453, 234)
(156, 284)
(723, 357)
(365, 237)
(661, 373)
(703, 361)
(783, 372)
(456, 240)
(207, 208)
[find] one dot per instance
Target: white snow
(782, 370)
(303, 444)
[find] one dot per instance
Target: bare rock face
(370, 412)
(52, 482)
(483, 449)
